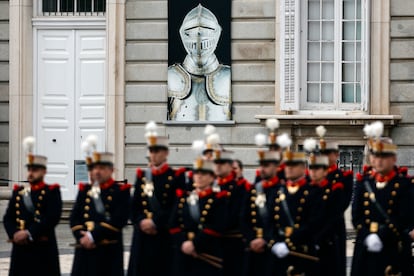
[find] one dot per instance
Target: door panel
(70, 99)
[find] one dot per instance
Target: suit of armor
(199, 88)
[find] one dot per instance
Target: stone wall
(402, 77)
(253, 79)
(4, 89)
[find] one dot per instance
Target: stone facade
(4, 89)
(402, 77)
(253, 76)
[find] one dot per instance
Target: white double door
(69, 99)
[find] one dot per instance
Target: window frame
(301, 106)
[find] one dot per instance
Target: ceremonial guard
(233, 245)
(346, 178)
(98, 217)
(331, 196)
(197, 224)
(381, 212)
(255, 212)
(295, 217)
(30, 220)
(152, 204)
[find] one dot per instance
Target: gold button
(109, 198)
(17, 205)
(204, 213)
(396, 185)
(210, 200)
(366, 203)
(87, 200)
(17, 198)
(253, 213)
(302, 200)
(170, 178)
(87, 208)
(38, 205)
(366, 212)
(180, 205)
(40, 197)
(298, 218)
(325, 197)
(359, 226)
(333, 181)
(253, 191)
(277, 208)
(305, 193)
(181, 225)
(208, 206)
(144, 203)
(167, 186)
(252, 206)
(37, 212)
(391, 225)
(277, 217)
(165, 195)
(296, 225)
(328, 191)
(17, 220)
(143, 194)
(367, 221)
(300, 209)
(389, 211)
(393, 193)
(253, 221)
(202, 219)
(182, 200)
(336, 175)
(43, 192)
(17, 212)
(391, 202)
(366, 194)
(86, 216)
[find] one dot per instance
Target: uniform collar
(205, 193)
(323, 183)
(107, 184)
(160, 169)
(38, 186)
(270, 183)
(298, 183)
(332, 168)
(385, 178)
(226, 179)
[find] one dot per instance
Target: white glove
(373, 243)
(280, 249)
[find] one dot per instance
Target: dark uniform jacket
(390, 221)
(104, 218)
(201, 220)
(233, 245)
(40, 256)
(326, 237)
(255, 215)
(297, 229)
(345, 178)
(153, 198)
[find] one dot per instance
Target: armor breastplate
(199, 97)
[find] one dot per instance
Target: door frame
(23, 27)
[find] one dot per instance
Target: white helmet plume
(151, 129)
(309, 144)
(29, 144)
(92, 140)
(209, 129)
(377, 129)
(368, 130)
(272, 124)
(260, 139)
(320, 131)
(198, 146)
(284, 140)
(86, 148)
(213, 139)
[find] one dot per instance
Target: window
(323, 55)
(73, 7)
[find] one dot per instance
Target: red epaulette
(180, 171)
(82, 187)
(124, 187)
(54, 186)
(179, 193)
(359, 177)
(366, 168)
(17, 187)
(222, 194)
(257, 172)
(403, 170)
(337, 185)
(248, 187)
(140, 173)
(348, 173)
